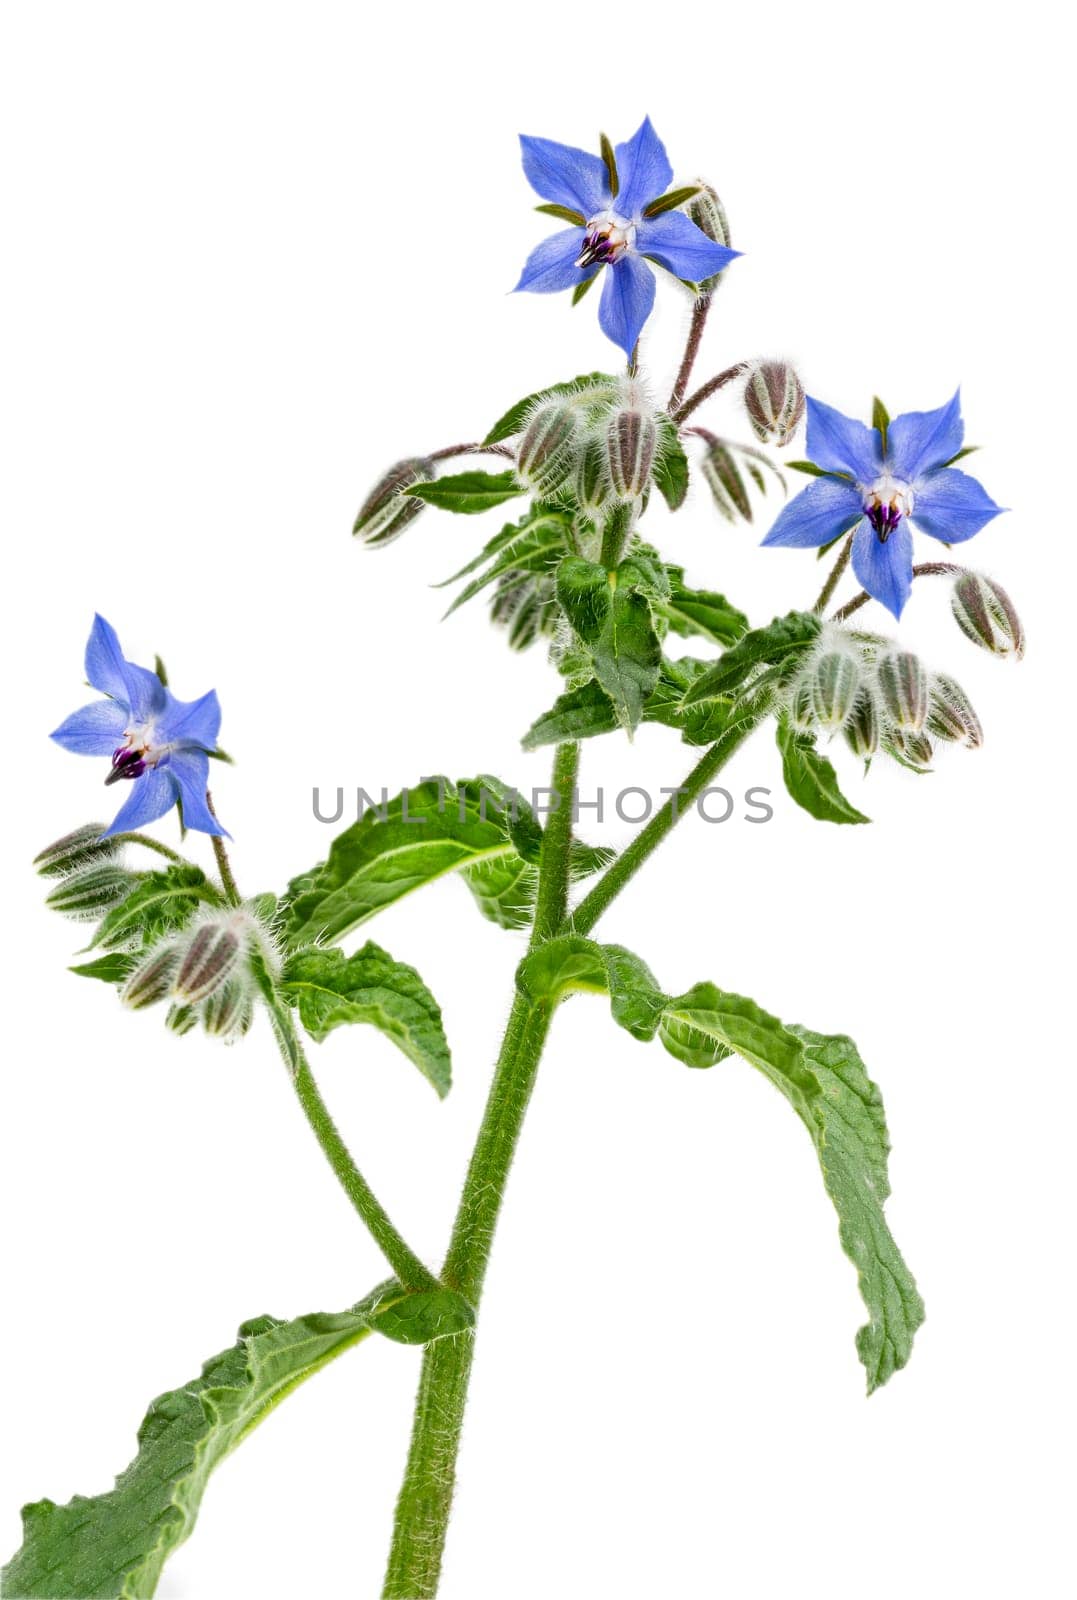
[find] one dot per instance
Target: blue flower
(878, 483)
(159, 744)
(609, 207)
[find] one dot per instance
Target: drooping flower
(879, 482)
(618, 222)
(157, 743)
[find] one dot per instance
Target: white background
(254, 254)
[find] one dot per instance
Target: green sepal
(565, 213)
(160, 903)
(812, 470)
(582, 287)
(114, 1545)
(513, 420)
(701, 612)
(880, 418)
(609, 160)
(670, 201)
(113, 968)
(670, 471)
(468, 492)
(424, 1316)
(775, 645)
(330, 989)
(966, 450)
(810, 778)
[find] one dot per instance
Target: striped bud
(774, 401)
(723, 478)
(708, 214)
(630, 445)
(913, 750)
(387, 510)
(862, 727)
(903, 685)
(181, 1019)
(802, 704)
(228, 1011)
(547, 450)
(82, 848)
(593, 486)
(207, 961)
(984, 612)
(88, 895)
(524, 605)
(835, 681)
(151, 980)
(950, 714)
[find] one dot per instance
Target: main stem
(422, 1512)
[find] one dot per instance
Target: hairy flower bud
(950, 714)
(546, 454)
(802, 703)
(88, 895)
(984, 612)
(723, 478)
(229, 1011)
(593, 487)
(387, 510)
(835, 681)
(630, 445)
(862, 726)
(151, 980)
(708, 214)
(207, 960)
(84, 847)
(774, 401)
(913, 750)
(181, 1019)
(903, 685)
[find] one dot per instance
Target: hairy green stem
(224, 866)
(150, 844)
(616, 530)
(705, 390)
(834, 576)
(700, 311)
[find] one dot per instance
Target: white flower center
(608, 237)
(885, 503)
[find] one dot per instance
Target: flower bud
(913, 750)
(802, 704)
(82, 848)
(984, 612)
(592, 473)
(708, 214)
(903, 684)
(835, 681)
(88, 895)
(774, 401)
(181, 1019)
(208, 959)
(525, 606)
(950, 714)
(387, 510)
(151, 980)
(723, 479)
(228, 1011)
(862, 726)
(630, 445)
(547, 450)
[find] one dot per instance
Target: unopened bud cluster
(92, 878)
(593, 446)
(880, 697)
(204, 973)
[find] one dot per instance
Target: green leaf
(784, 638)
(880, 418)
(538, 546)
(160, 903)
(504, 890)
(701, 612)
(588, 384)
(112, 968)
(810, 778)
(670, 471)
(578, 714)
(429, 830)
(560, 965)
(113, 1546)
(424, 1316)
(468, 492)
(330, 989)
(612, 617)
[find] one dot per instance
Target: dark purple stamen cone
(126, 763)
(884, 519)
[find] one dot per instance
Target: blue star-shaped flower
(158, 743)
(878, 486)
(609, 205)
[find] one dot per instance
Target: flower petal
(838, 443)
(95, 730)
(885, 570)
(552, 264)
(917, 441)
(192, 722)
(104, 660)
(565, 175)
(151, 796)
(627, 301)
(190, 773)
(643, 170)
(825, 510)
(951, 506)
(674, 241)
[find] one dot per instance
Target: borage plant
(575, 570)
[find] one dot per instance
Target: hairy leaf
(468, 492)
(701, 612)
(773, 645)
(611, 615)
(591, 384)
(425, 1315)
(538, 546)
(160, 903)
(810, 778)
(670, 469)
(113, 968)
(330, 989)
